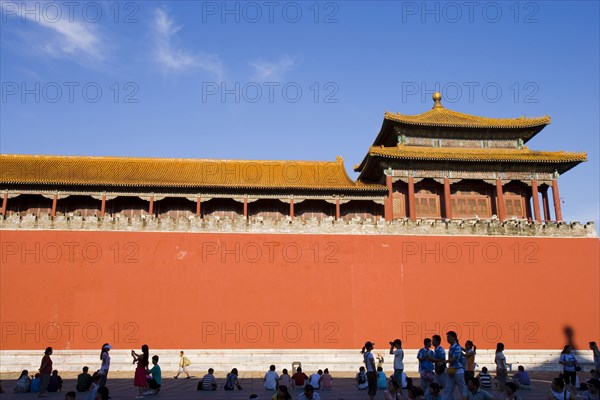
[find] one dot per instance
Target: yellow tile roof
(182, 173)
(468, 154)
(443, 117)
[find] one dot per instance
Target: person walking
(184, 363)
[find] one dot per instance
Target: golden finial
(437, 100)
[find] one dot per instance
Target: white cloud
(175, 59)
(272, 71)
(61, 37)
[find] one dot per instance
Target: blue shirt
(156, 374)
(456, 352)
(425, 365)
(439, 353)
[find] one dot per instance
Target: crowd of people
(441, 374)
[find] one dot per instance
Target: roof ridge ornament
(437, 100)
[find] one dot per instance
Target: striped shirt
(485, 381)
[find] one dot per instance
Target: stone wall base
(258, 360)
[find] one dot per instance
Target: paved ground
(184, 389)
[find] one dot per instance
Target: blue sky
(293, 80)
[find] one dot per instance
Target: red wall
(76, 290)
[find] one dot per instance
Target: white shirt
(369, 362)
(399, 359)
(271, 380)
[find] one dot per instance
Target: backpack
(186, 362)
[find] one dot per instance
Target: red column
(245, 207)
(4, 201)
(546, 204)
(388, 205)
(500, 199)
(556, 198)
(536, 202)
(54, 200)
(151, 207)
(198, 203)
(411, 199)
(337, 209)
(447, 199)
(103, 205)
(292, 208)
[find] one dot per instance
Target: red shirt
(47, 365)
(299, 378)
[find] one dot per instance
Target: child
(285, 379)
(593, 390)
(434, 392)
(94, 388)
(156, 380)
(415, 393)
(84, 380)
(326, 380)
(485, 379)
(510, 392)
(557, 390)
(70, 396)
(381, 379)
(35, 384)
(23, 383)
(361, 379)
(393, 392)
(55, 382)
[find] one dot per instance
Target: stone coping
(258, 360)
(328, 226)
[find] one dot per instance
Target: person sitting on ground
(521, 379)
(282, 393)
(315, 379)
(361, 379)
(485, 379)
(156, 380)
(434, 392)
(326, 380)
(285, 379)
(415, 393)
(382, 382)
(231, 382)
(475, 393)
(510, 392)
(23, 383)
(593, 390)
(309, 394)
(208, 381)
(557, 390)
(35, 383)
(299, 378)
(393, 392)
(55, 383)
(70, 395)
(96, 379)
(102, 392)
(271, 378)
(84, 381)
